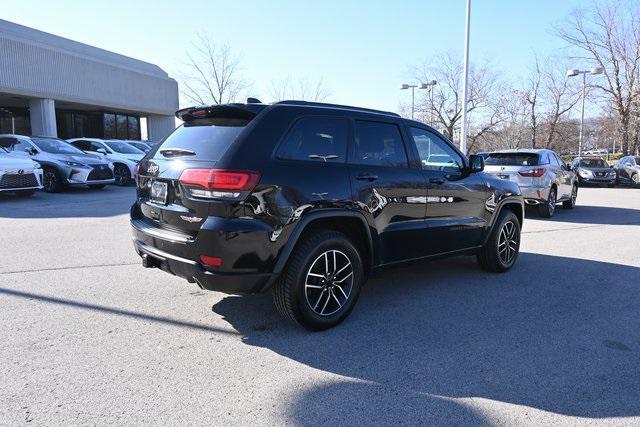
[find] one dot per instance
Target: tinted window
(512, 159)
(83, 145)
(378, 144)
(637, 160)
(555, 160)
(435, 153)
(316, 138)
(208, 138)
(7, 142)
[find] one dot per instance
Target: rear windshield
(512, 159)
(593, 163)
(207, 139)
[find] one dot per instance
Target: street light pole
(465, 84)
(404, 86)
(575, 72)
(584, 86)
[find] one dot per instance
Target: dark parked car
(593, 170)
(306, 199)
(628, 170)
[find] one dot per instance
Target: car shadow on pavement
(556, 334)
(71, 202)
(592, 215)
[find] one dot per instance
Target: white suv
(123, 155)
(19, 174)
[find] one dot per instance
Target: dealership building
(52, 86)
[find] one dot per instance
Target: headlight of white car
(37, 165)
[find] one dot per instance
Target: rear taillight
(218, 183)
(211, 261)
(537, 172)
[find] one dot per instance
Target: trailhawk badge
(190, 218)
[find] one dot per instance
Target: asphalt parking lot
(90, 337)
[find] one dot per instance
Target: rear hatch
(521, 168)
(178, 183)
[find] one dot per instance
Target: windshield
(207, 139)
(512, 159)
(139, 146)
(637, 160)
(122, 147)
(55, 146)
(593, 163)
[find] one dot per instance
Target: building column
(42, 113)
(158, 127)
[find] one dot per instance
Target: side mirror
(102, 150)
(568, 166)
(32, 151)
(476, 163)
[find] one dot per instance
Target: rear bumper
(535, 195)
(596, 181)
(243, 245)
(193, 271)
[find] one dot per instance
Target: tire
(122, 175)
(97, 186)
(51, 180)
(546, 210)
(303, 294)
(571, 203)
(25, 193)
(492, 256)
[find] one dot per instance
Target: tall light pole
(404, 86)
(465, 83)
(575, 72)
(429, 85)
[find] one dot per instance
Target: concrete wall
(35, 64)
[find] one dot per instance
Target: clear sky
(362, 50)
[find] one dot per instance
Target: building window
(15, 120)
(133, 127)
(109, 126)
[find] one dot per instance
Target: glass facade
(15, 120)
(75, 124)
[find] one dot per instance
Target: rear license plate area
(159, 192)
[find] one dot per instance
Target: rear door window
(322, 139)
(378, 144)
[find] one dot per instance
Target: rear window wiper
(170, 152)
(324, 158)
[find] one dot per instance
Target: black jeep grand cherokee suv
(306, 199)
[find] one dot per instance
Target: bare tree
(608, 36)
(561, 97)
(442, 104)
(212, 73)
(532, 93)
(301, 89)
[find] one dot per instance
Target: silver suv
(543, 178)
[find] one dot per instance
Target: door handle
(436, 180)
(366, 177)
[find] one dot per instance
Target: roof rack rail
(327, 105)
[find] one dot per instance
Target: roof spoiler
(231, 111)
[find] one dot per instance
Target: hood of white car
(80, 158)
(15, 161)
